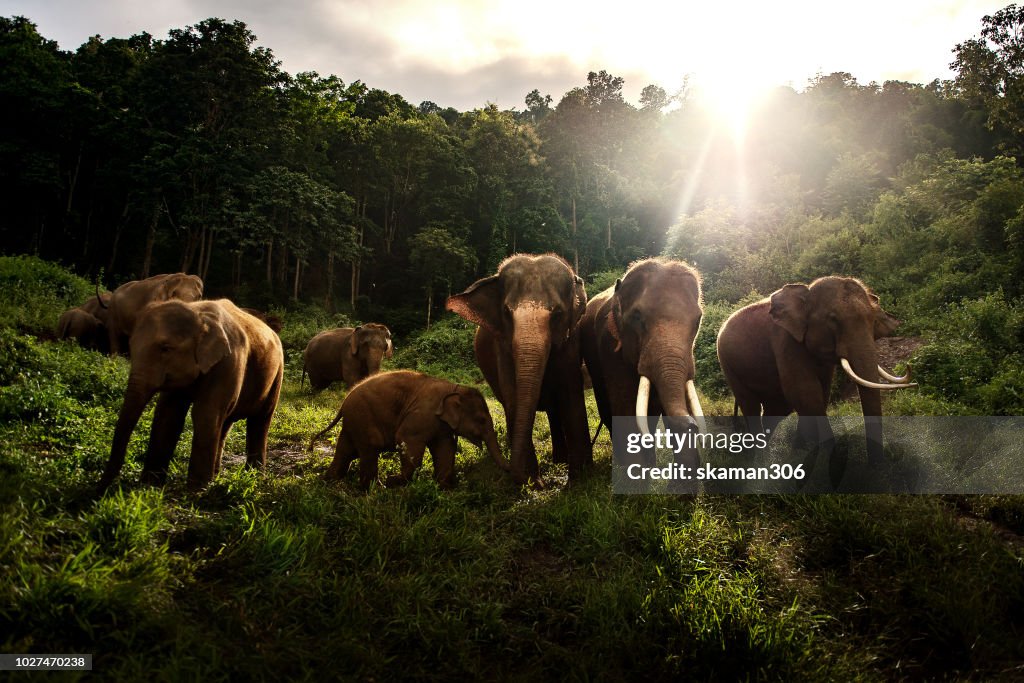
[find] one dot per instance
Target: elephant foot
(395, 480)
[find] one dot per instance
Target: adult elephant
(779, 354)
(638, 341)
(128, 300)
(346, 353)
(529, 351)
(212, 356)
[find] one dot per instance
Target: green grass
(281, 575)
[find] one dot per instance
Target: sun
(731, 100)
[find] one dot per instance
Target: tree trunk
(147, 259)
(117, 238)
(295, 283)
(575, 250)
(72, 182)
(328, 298)
(270, 262)
(430, 303)
(209, 253)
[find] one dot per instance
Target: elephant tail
(596, 434)
(336, 420)
(100, 298)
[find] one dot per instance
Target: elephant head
(371, 343)
(174, 344)
(532, 307)
(180, 286)
(837, 319)
(654, 319)
(465, 410)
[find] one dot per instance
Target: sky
(468, 53)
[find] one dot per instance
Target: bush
(33, 293)
(445, 350)
(979, 360)
(710, 377)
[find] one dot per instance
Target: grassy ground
(280, 575)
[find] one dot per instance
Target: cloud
(465, 53)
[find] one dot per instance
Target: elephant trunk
(136, 397)
(491, 441)
(670, 368)
(531, 346)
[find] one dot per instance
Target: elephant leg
(442, 452)
(168, 423)
(412, 460)
(559, 449)
(368, 471)
(224, 430)
(573, 408)
(344, 454)
(208, 425)
(257, 428)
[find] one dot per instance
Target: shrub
(33, 293)
(445, 350)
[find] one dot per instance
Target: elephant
(345, 353)
(84, 327)
(638, 336)
(420, 411)
(128, 300)
(528, 348)
(213, 356)
(779, 354)
(272, 321)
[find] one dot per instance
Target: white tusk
(893, 378)
(695, 408)
(643, 395)
(871, 385)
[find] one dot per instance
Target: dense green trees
(195, 151)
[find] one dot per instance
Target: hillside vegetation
(279, 574)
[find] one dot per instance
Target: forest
(330, 203)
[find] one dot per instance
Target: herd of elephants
(536, 331)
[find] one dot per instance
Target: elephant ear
(611, 324)
(213, 345)
(450, 409)
(353, 341)
(789, 310)
(885, 324)
(390, 351)
(480, 303)
(579, 301)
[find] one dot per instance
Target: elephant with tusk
(637, 340)
(779, 354)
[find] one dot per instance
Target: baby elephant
(415, 409)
